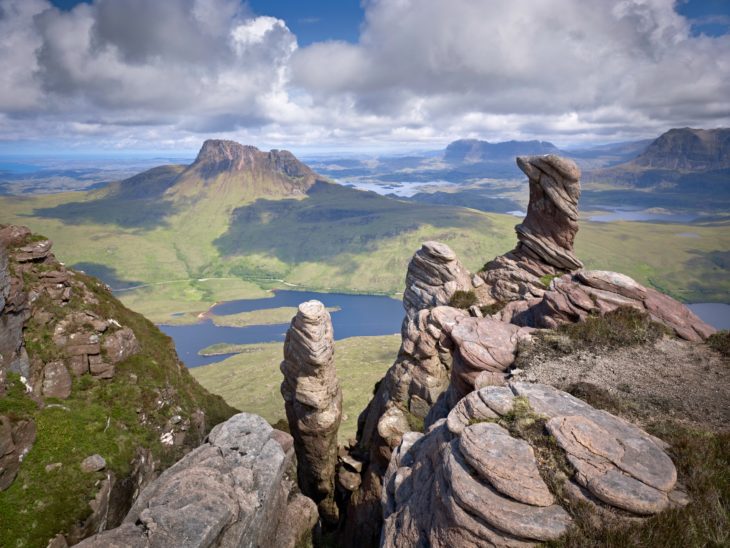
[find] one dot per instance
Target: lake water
(716, 314)
(359, 315)
(636, 214)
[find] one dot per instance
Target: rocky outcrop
(473, 481)
(411, 386)
(545, 237)
(434, 275)
(64, 336)
(231, 491)
(313, 401)
(14, 306)
(84, 341)
(572, 298)
(16, 439)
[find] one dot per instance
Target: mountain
(687, 149)
(681, 169)
(471, 151)
(238, 221)
(243, 215)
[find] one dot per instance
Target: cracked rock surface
(471, 481)
(230, 491)
(573, 298)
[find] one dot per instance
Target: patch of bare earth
(670, 379)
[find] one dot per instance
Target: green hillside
(235, 226)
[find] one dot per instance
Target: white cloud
(553, 66)
(423, 71)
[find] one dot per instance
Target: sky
(142, 75)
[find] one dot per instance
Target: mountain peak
(688, 149)
(218, 156)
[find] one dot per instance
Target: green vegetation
(219, 349)
(720, 341)
(463, 299)
(489, 309)
(548, 278)
(622, 327)
(224, 240)
(250, 381)
(111, 417)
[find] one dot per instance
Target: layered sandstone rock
(572, 298)
(545, 237)
(416, 380)
(313, 401)
(434, 275)
(230, 491)
(82, 341)
(470, 481)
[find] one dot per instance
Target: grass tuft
(720, 341)
(622, 327)
(463, 299)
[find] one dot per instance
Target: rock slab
(230, 491)
(470, 482)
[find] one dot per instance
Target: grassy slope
(99, 417)
(283, 244)
(250, 380)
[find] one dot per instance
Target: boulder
(482, 345)
(93, 463)
(56, 381)
(34, 252)
(471, 482)
(313, 403)
(120, 345)
(230, 491)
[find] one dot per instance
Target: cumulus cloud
(206, 65)
(423, 71)
(557, 65)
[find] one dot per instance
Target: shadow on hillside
(333, 220)
(136, 202)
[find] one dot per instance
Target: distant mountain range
(688, 149)
(472, 151)
(242, 212)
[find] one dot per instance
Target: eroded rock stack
(422, 369)
(545, 237)
(478, 479)
(413, 383)
(230, 491)
(313, 401)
